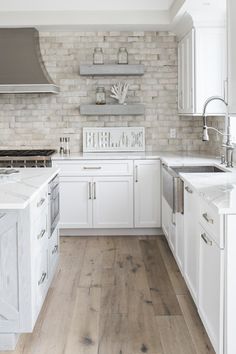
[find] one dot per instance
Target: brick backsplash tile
(38, 120)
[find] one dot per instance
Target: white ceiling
(88, 5)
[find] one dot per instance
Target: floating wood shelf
(112, 109)
(110, 69)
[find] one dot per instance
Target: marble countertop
(170, 158)
(219, 189)
(17, 191)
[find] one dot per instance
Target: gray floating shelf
(112, 109)
(110, 69)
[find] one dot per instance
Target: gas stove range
(26, 158)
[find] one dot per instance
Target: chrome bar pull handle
(55, 249)
(42, 200)
(189, 190)
(43, 277)
(206, 217)
(94, 190)
(41, 234)
(92, 167)
(136, 173)
(90, 190)
(206, 239)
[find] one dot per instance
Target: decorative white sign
(113, 139)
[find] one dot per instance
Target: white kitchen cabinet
(211, 285)
(9, 277)
(147, 193)
(186, 74)
(76, 202)
(191, 240)
(96, 202)
(113, 202)
(202, 70)
(231, 20)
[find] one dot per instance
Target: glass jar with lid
(122, 56)
(98, 56)
(100, 95)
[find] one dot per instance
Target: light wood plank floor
(117, 295)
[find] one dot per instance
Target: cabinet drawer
(212, 222)
(211, 288)
(41, 278)
(39, 228)
(39, 203)
(53, 252)
(95, 167)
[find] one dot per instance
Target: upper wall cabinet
(202, 70)
(231, 19)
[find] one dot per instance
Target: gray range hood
(21, 66)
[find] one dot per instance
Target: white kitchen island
(28, 251)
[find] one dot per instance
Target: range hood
(21, 66)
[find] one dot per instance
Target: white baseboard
(111, 232)
(8, 341)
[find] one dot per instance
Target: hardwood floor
(117, 295)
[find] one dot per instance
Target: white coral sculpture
(119, 92)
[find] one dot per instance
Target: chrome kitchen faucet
(205, 137)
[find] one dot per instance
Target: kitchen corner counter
(218, 189)
(21, 189)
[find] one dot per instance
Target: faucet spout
(205, 137)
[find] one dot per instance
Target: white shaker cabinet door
(147, 193)
(210, 304)
(231, 20)
(112, 202)
(75, 202)
(191, 244)
(9, 281)
(186, 74)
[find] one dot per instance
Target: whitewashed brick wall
(38, 120)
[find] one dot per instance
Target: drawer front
(39, 228)
(95, 167)
(41, 279)
(53, 252)
(39, 203)
(212, 222)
